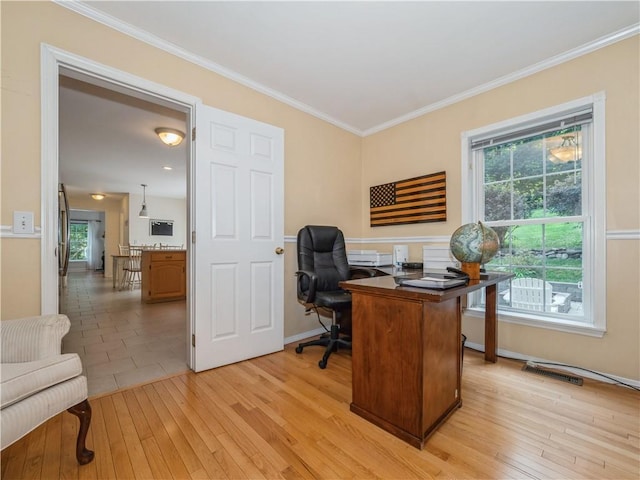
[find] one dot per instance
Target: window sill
(566, 326)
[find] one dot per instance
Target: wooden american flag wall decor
(415, 200)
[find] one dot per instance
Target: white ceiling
(108, 143)
(362, 65)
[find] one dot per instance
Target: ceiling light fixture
(167, 167)
(143, 213)
(170, 136)
(568, 151)
(98, 196)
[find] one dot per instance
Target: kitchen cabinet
(164, 276)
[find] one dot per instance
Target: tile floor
(121, 341)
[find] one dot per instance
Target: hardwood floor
(280, 416)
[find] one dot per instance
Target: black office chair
(322, 264)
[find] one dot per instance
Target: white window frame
(83, 222)
(594, 322)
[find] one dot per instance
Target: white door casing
(238, 217)
(267, 276)
(53, 62)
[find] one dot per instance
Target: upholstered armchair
(38, 381)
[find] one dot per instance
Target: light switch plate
(23, 222)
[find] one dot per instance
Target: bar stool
(133, 268)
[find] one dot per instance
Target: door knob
(279, 250)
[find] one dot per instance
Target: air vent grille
(558, 376)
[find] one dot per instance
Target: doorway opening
(241, 160)
(92, 112)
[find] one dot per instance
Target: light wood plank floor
(280, 416)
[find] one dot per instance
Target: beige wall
(431, 143)
(328, 171)
(111, 208)
(322, 162)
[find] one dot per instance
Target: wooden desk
(406, 359)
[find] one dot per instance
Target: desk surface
(385, 284)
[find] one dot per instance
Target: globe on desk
(474, 244)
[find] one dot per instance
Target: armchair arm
(32, 338)
(307, 295)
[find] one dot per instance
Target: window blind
(528, 130)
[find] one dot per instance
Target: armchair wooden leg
(82, 410)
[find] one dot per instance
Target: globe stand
(471, 269)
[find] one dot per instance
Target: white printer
(368, 258)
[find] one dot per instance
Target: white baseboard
(574, 370)
(303, 336)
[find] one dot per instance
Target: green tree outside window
(78, 241)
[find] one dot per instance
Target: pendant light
(568, 151)
(143, 213)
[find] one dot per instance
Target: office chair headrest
(322, 250)
(324, 238)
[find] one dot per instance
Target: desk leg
(114, 272)
(490, 325)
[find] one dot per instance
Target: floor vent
(558, 376)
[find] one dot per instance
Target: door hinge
(193, 339)
(193, 134)
(193, 237)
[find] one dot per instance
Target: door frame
(54, 61)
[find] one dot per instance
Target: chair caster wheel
(322, 364)
(298, 349)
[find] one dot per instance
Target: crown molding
(130, 30)
(512, 77)
(157, 42)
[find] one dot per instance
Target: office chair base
(333, 342)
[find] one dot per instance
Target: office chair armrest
(310, 295)
(361, 272)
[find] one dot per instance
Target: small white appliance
(368, 258)
(400, 254)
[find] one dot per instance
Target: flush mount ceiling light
(170, 136)
(568, 151)
(143, 213)
(98, 196)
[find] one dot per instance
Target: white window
(538, 181)
(78, 241)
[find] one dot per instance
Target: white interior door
(239, 223)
